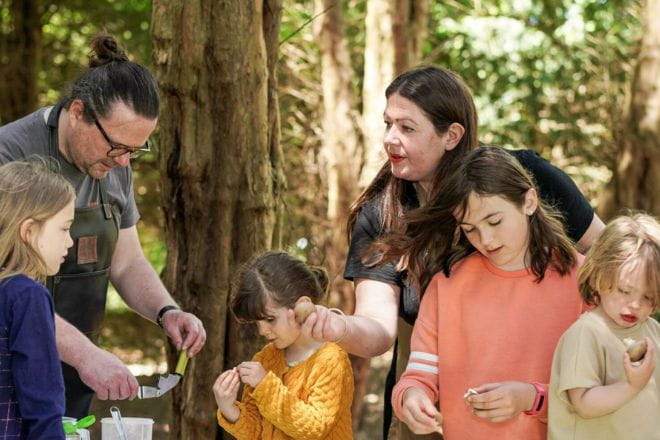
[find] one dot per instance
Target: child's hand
(501, 401)
(639, 375)
(252, 373)
(225, 390)
(419, 413)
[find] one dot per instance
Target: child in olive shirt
(596, 391)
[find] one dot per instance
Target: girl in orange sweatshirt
(490, 319)
(295, 387)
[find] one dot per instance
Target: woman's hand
(324, 325)
(225, 390)
(419, 413)
(501, 401)
(251, 373)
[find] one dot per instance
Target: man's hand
(186, 331)
(104, 373)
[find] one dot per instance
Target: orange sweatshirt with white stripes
(484, 325)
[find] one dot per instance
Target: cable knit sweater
(311, 400)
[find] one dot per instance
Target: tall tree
(395, 31)
(410, 28)
(341, 149)
(221, 173)
(20, 56)
(635, 182)
(342, 154)
(379, 68)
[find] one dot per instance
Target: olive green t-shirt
(590, 353)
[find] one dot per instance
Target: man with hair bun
(104, 121)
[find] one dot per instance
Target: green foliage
(300, 94)
(551, 75)
(548, 75)
(69, 26)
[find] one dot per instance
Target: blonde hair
(29, 189)
(628, 242)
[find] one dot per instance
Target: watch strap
(539, 400)
(161, 312)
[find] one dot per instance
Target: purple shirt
(31, 384)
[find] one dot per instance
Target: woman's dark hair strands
(430, 240)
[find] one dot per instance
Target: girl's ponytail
(321, 276)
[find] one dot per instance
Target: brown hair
(445, 99)
(431, 240)
(278, 276)
(28, 190)
(626, 242)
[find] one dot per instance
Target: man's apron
(79, 289)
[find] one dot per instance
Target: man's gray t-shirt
(29, 136)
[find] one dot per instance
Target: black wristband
(161, 312)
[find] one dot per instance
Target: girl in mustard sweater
(502, 291)
(295, 387)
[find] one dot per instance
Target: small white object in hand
(469, 392)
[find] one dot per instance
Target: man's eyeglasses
(117, 150)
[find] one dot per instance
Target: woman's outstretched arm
(370, 331)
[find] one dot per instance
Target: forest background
(272, 125)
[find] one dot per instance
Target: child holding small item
(491, 317)
(296, 387)
(598, 389)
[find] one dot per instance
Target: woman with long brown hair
(430, 126)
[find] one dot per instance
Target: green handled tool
(165, 383)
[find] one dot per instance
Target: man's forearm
(141, 289)
(71, 343)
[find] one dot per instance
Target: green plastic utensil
(72, 427)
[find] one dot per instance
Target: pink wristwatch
(539, 401)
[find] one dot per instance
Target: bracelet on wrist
(345, 321)
(162, 311)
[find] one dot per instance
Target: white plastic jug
(136, 428)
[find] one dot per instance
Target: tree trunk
(341, 150)
(395, 32)
(342, 154)
(221, 174)
(634, 184)
(20, 55)
(378, 72)
(410, 27)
